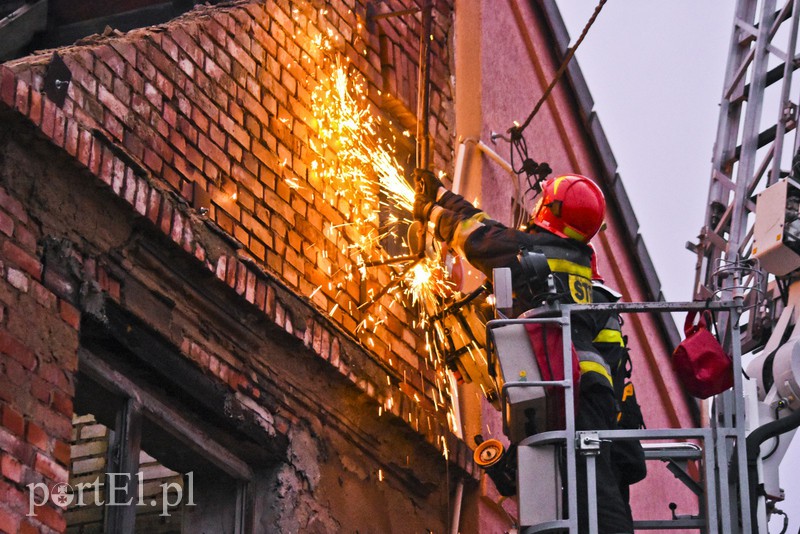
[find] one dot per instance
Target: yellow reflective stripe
(607, 335)
(558, 265)
(594, 367)
(573, 234)
(556, 183)
(463, 231)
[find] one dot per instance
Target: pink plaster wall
(514, 64)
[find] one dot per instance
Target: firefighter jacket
(612, 345)
(627, 455)
(488, 244)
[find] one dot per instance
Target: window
(139, 465)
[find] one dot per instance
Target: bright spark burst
(355, 171)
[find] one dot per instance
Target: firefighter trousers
(596, 411)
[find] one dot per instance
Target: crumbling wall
(38, 347)
(316, 441)
(177, 174)
(215, 108)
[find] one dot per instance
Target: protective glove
(426, 184)
(422, 207)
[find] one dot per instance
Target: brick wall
(36, 375)
(204, 128)
(215, 106)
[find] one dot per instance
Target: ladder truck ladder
(753, 155)
(751, 152)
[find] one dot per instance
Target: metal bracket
(588, 443)
(56, 80)
(372, 16)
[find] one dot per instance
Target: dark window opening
(131, 471)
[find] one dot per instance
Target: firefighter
(567, 214)
(627, 456)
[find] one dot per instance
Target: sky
(655, 69)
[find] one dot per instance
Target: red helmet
(570, 206)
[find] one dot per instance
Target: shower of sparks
(364, 166)
(428, 288)
(356, 172)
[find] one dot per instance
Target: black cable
(561, 69)
(776, 445)
(753, 445)
(776, 511)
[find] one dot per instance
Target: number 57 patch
(581, 289)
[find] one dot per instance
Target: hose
(753, 444)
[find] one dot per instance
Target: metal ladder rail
(720, 490)
(748, 151)
(764, 32)
(705, 521)
(724, 434)
(570, 523)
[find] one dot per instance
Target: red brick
(241, 278)
(140, 205)
(114, 288)
(222, 264)
(22, 259)
(11, 468)
(165, 86)
(126, 50)
(177, 227)
(48, 118)
(49, 468)
(130, 186)
(111, 59)
(26, 527)
(172, 177)
(166, 218)
(95, 156)
(84, 150)
(71, 139)
(13, 420)
(62, 403)
(61, 452)
(59, 127)
(12, 497)
(54, 374)
(250, 290)
(112, 103)
(154, 206)
(13, 206)
(8, 86)
(153, 161)
(69, 313)
(35, 113)
(36, 436)
(18, 279)
(14, 348)
(105, 170)
(22, 102)
(6, 224)
(51, 517)
(40, 389)
(25, 238)
(118, 176)
(9, 522)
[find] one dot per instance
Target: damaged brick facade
(128, 259)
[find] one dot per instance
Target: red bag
(699, 361)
